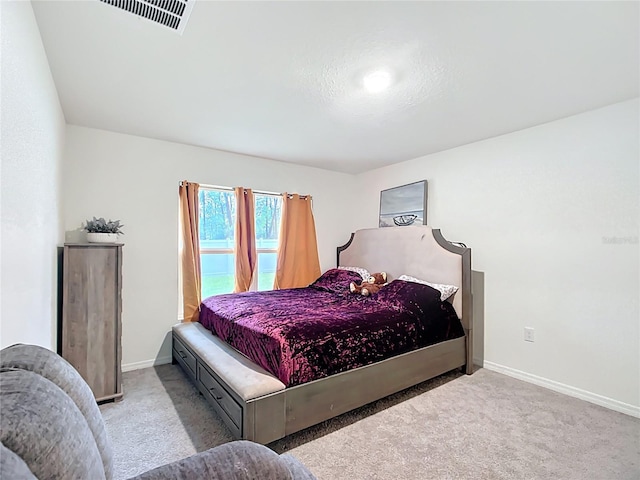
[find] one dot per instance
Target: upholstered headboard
(419, 251)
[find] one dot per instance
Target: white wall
(136, 179)
(32, 146)
(537, 207)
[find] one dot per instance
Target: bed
(264, 400)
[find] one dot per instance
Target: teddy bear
(371, 285)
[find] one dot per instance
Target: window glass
(217, 224)
(217, 218)
(268, 210)
(218, 271)
(266, 270)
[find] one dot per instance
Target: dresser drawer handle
(182, 354)
(215, 394)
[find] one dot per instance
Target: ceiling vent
(170, 13)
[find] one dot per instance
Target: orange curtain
(191, 275)
(245, 239)
(298, 263)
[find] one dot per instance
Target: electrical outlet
(529, 334)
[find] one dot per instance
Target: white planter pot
(102, 237)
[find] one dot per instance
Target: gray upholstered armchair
(51, 427)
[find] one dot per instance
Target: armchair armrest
(240, 460)
(297, 469)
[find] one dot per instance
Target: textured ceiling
(283, 80)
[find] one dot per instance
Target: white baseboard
(127, 367)
(601, 400)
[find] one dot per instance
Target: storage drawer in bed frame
(185, 357)
(211, 387)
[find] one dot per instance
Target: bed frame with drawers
(257, 406)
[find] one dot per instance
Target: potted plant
(101, 231)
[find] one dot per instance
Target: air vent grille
(170, 13)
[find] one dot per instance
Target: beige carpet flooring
(483, 426)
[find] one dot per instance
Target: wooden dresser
(91, 315)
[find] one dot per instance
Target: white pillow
(363, 272)
(445, 290)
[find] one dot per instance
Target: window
(217, 240)
(217, 224)
(268, 209)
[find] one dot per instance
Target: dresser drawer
(184, 355)
(221, 396)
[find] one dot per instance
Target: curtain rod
(259, 192)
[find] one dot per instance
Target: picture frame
(404, 206)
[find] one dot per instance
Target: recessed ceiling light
(377, 81)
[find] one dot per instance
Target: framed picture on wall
(403, 206)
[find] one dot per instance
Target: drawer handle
(215, 394)
(182, 354)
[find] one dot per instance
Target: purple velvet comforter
(303, 334)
